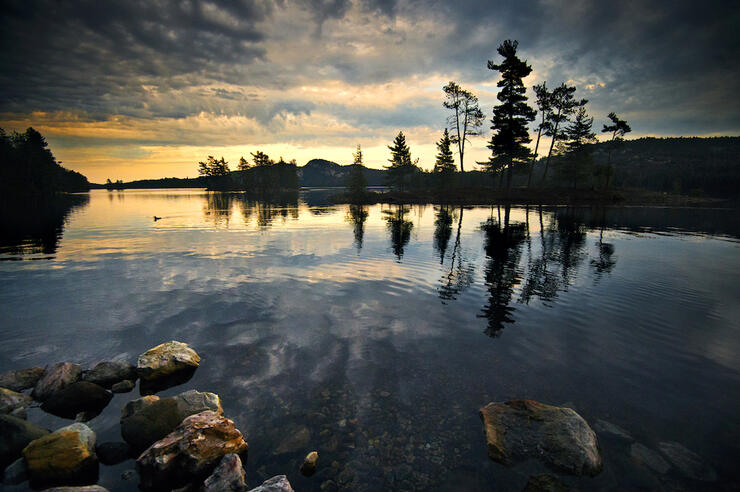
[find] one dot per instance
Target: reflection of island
(268, 207)
(33, 225)
(460, 274)
(399, 228)
(357, 215)
(217, 208)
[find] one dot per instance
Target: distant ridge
(320, 172)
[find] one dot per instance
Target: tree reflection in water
(399, 228)
(459, 276)
(357, 215)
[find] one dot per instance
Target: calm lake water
(383, 329)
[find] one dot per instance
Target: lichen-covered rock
(277, 483)
(56, 377)
(64, 457)
(16, 473)
(150, 418)
(123, 386)
(81, 396)
(11, 401)
(228, 476)
(308, 467)
(521, 429)
(21, 379)
(108, 373)
(190, 452)
(16, 434)
(166, 359)
(687, 462)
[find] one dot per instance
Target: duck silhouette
(157, 218)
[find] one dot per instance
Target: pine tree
(444, 166)
(510, 118)
(618, 129)
(243, 164)
(466, 119)
(356, 182)
(578, 149)
(563, 105)
(544, 105)
(401, 165)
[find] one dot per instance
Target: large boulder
(277, 483)
(81, 396)
(21, 379)
(190, 452)
(150, 418)
(228, 476)
(167, 361)
(11, 401)
(522, 429)
(15, 435)
(56, 377)
(64, 457)
(108, 373)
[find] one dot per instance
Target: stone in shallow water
(16, 473)
(10, 400)
(112, 453)
(308, 467)
(16, 434)
(84, 488)
(278, 483)
(78, 397)
(56, 377)
(166, 359)
(150, 418)
(645, 456)
(521, 429)
(108, 373)
(296, 440)
(604, 427)
(21, 379)
(545, 483)
(64, 457)
(687, 462)
(228, 476)
(190, 452)
(123, 386)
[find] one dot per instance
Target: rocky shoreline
(185, 442)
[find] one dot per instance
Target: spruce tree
(578, 148)
(563, 105)
(401, 165)
(444, 166)
(356, 181)
(511, 117)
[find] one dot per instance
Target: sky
(139, 89)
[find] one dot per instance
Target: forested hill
(320, 172)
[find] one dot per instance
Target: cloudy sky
(140, 89)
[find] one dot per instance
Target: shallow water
(383, 329)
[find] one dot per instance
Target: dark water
(383, 329)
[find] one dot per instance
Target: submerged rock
(190, 452)
(108, 373)
(64, 457)
(166, 359)
(521, 429)
(21, 379)
(645, 456)
(228, 476)
(82, 396)
(11, 401)
(55, 378)
(308, 467)
(123, 386)
(84, 488)
(296, 440)
(150, 418)
(16, 473)
(16, 434)
(545, 483)
(112, 453)
(277, 483)
(687, 462)
(604, 427)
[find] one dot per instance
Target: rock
(649, 458)
(165, 360)
(150, 418)
(604, 427)
(113, 453)
(308, 467)
(56, 377)
(687, 462)
(278, 483)
(545, 483)
(129, 475)
(521, 429)
(81, 396)
(228, 476)
(296, 440)
(16, 434)
(84, 488)
(11, 401)
(16, 473)
(19, 413)
(123, 386)
(64, 457)
(21, 379)
(108, 373)
(190, 452)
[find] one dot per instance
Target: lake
(383, 329)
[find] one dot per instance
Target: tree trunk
(534, 158)
(552, 144)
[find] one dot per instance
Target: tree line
(261, 175)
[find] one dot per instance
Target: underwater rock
(108, 373)
(545, 483)
(11, 401)
(228, 476)
(16, 473)
(64, 457)
(167, 359)
(604, 427)
(79, 397)
(645, 456)
(16, 434)
(113, 453)
(150, 418)
(521, 429)
(308, 467)
(687, 462)
(190, 452)
(277, 483)
(84, 488)
(297, 439)
(123, 386)
(21, 379)
(55, 378)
